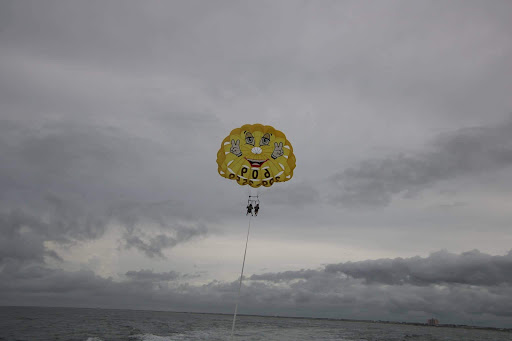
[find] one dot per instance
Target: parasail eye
(249, 139)
(265, 140)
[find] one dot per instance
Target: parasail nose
(256, 150)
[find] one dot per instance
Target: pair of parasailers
(250, 208)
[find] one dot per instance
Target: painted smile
(256, 163)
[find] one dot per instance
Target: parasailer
(249, 209)
(255, 155)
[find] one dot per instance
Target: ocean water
(34, 323)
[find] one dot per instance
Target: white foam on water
(94, 339)
(151, 337)
(195, 335)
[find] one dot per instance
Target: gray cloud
(23, 235)
(153, 246)
(61, 221)
(442, 267)
(170, 217)
(149, 275)
(161, 213)
(73, 179)
(285, 276)
(298, 194)
(472, 268)
(68, 219)
(22, 238)
(460, 153)
(71, 157)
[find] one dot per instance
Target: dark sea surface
(35, 323)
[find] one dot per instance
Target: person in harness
(249, 209)
(256, 209)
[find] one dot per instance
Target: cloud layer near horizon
(457, 288)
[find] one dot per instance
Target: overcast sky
(399, 113)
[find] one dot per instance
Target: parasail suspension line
(241, 277)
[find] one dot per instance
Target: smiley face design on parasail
(256, 155)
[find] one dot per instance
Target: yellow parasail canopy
(256, 155)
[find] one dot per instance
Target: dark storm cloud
(149, 275)
(460, 153)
